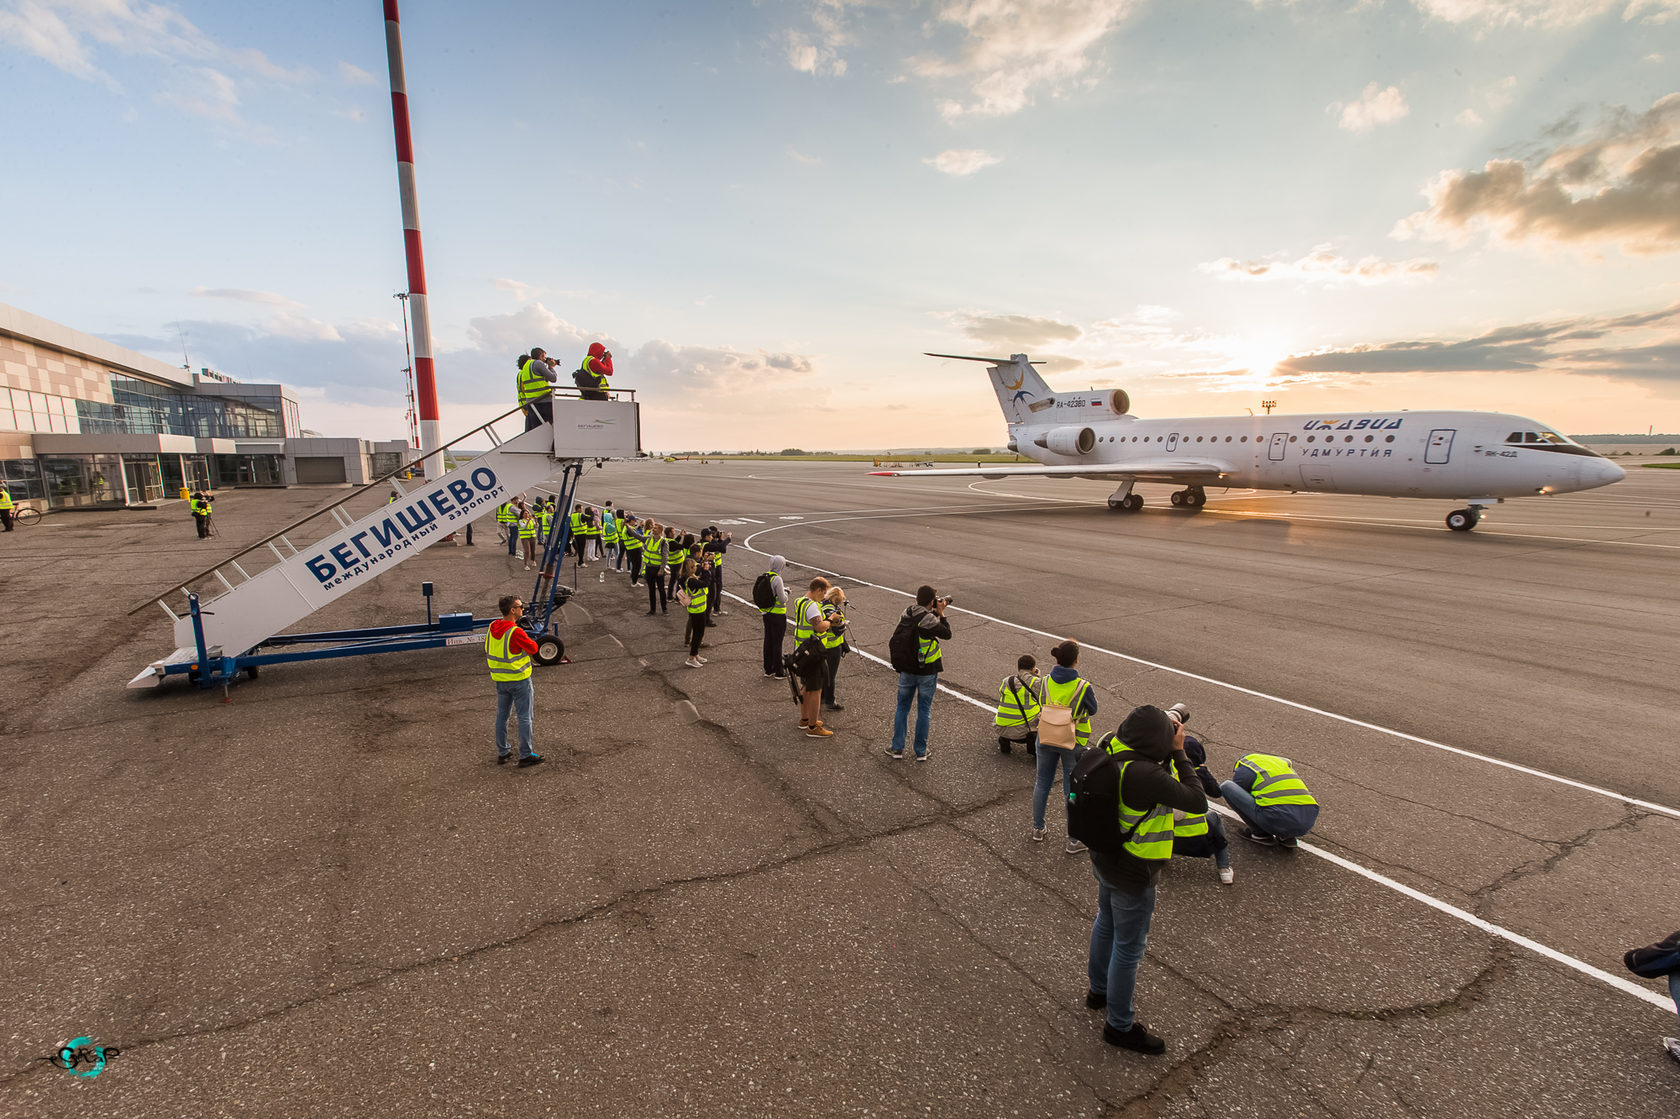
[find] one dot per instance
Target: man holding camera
(536, 388)
(1156, 778)
(592, 374)
(920, 678)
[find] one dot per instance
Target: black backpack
(1093, 800)
(806, 654)
(1655, 960)
(582, 378)
(904, 647)
(764, 596)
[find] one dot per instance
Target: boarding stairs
(262, 590)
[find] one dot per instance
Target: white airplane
(1479, 458)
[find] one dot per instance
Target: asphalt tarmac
(323, 897)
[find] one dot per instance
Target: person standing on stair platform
(536, 388)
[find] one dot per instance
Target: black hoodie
(1147, 783)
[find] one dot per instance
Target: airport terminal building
(85, 422)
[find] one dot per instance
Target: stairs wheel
(550, 649)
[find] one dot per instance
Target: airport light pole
(425, 374)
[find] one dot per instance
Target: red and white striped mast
(425, 374)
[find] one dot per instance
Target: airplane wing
(1173, 470)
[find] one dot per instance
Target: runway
(1488, 718)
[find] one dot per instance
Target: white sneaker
(694, 662)
(1672, 1045)
(1074, 846)
(1038, 835)
(1227, 876)
(702, 660)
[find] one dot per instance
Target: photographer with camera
(834, 643)
(592, 374)
(1200, 835)
(808, 660)
(1121, 803)
(536, 387)
(919, 659)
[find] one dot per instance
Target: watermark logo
(80, 1058)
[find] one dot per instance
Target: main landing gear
(1123, 500)
(1463, 520)
(1191, 497)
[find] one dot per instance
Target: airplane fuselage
(1435, 454)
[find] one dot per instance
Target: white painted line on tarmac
(1295, 704)
(751, 521)
(1626, 986)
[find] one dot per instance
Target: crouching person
(1201, 835)
(1273, 802)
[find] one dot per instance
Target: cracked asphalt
(322, 897)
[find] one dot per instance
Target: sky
(769, 210)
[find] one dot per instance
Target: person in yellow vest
(1271, 799)
(698, 588)
(775, 618)
(1065, 689)
(509, 650)
(593, 371)
(201, 510)
(1156, 779)
(536, 387)
(6, 507)
(1020, 699)
(834, 643)
(632, 538)
(808, 621)
(653, 548)
(1201, 835)
(508, 520)
(528, 538)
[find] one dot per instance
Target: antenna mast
(408, 370)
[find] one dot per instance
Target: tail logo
(1016, 399)
(1020, 379)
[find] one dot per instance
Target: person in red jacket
(509, 650)
(593, 373)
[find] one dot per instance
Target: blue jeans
(1048, 758)
(1284, 820)
(518, 695)
(1117, 942)
(922, 688)
(1674, 989)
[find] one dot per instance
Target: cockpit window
(1514, 437)
(1554, 437)
(1531, 436)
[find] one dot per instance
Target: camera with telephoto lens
(947, 600)
(1179, 714)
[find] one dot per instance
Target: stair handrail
(410, 464)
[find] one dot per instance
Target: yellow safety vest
(1189, 826)
(780, 607)
(830, 639)
(505, 665)
(1275, 782)
(632, 543)
(528, 528)
(532, 384)
(802, 627)
(697, 599)
(1070, 695)
(1153, 834)
(5, 499)
(505, 513)
(1019, 705)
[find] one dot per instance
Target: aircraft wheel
(1178, 497)
(1113, 504)
(1133, 503)
(1462, 520)
(550, 649)
(1197, 497)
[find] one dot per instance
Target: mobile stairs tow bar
(240, 629)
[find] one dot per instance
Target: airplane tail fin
(1016, 382)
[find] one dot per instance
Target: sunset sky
(769, 209)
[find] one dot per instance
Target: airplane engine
(1120, 403)
(1068, 440)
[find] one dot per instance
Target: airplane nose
(1601, 472)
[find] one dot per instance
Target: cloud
(525, 293)
(1325, 267)
(1470, 118)
(1642, 347)
(1015, 333)
(817, 51)
(800, 157)
(963, 161)
(1010, 49)
(1552, 14)
(354, 75)
(1376, 105)
(73, 35)
(245, 295)
(1618, 184)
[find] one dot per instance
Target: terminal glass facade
(144, 408)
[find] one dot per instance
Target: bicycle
(24, 515)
